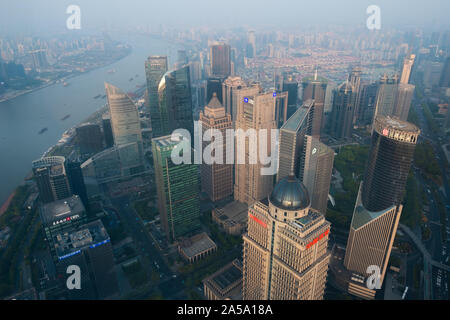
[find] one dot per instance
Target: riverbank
(61, 79)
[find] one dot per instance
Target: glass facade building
(177, 187)
(390, 157)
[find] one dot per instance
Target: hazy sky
(34, 16)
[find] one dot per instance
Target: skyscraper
(403, 100)
(254, 111)
(386, 95)
(107, 130)
(251, 44)
(76, 179)
(355, 80)
(214, 85)
(89, 138)
(444, 82)
(407, 67)
(315, 88)
(217, 178)
(220, 55)
(378, 205)
(316, 171)
(367, 102)
(175, 101)
(155, 68)
(390, 157)
(51, 178)
(292, 136)
(229, 85)
(287, 83)
(285, 248)
(342, 113)
(126, 128)
(177, 188)
(281, 108)
(88, 247)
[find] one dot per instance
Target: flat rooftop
(236, 211)
(227, 276)
(196, 244)
(65, 209)
(298, 118)
(89, 235)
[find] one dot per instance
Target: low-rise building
(196, 248)
(225, 284)
(232, 217)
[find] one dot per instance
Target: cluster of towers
(285, 251)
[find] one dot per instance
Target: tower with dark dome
(285, 247)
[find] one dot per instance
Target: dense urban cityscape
(228, 163)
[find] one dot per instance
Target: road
(169, 285)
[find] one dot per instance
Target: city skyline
(203, 160)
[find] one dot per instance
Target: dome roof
(290, 194)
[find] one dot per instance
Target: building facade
(316, 171)
(292, 136)
(255, 111)
(155, 68)
(216, 178)
(177, 188)
(315, 88)
(285, 248)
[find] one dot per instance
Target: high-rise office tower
(76, 180)
(367, 102)
(407, 67)
(220, 54)
(39, 58)
(216, 178)
(175, 101)
(254, 111)
(432, 73)
(89, 138)
(229, 85)
(444, 82)
(177, 188)
(390, 157)
(281, 108)
(285, 248)
(292, 136)
(342, 113)
(315, 88)
(214, 85)
(62, 216)
(155, 68)
(403, 100)
(107, 130)
(88, 247)
(387, 92)
(51, 178)
(316, 171)
(378, 205)
(126, 128)
(251, 44)
(355, 80)
(287, 83)
(182, 58)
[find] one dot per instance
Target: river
(22, 118)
